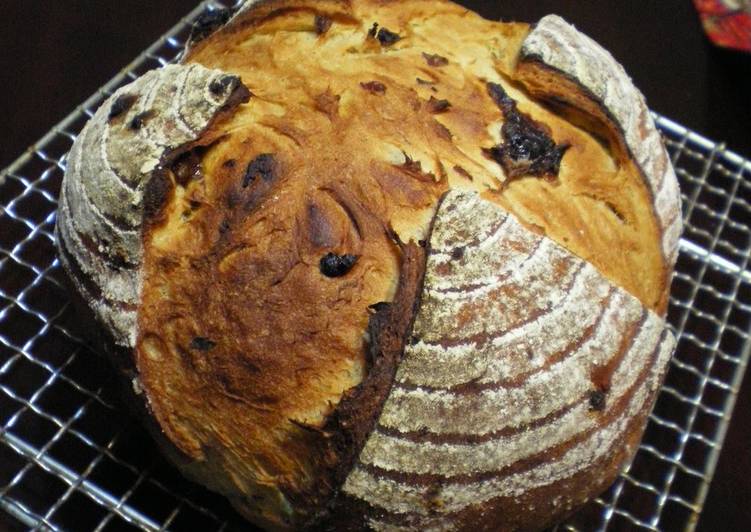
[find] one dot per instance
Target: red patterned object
(727, 22)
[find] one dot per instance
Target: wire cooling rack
(69, 459)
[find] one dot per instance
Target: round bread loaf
(379, 264)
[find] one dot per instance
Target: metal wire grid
(70, 459)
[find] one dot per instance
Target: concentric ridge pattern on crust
(112, 160)
(537, 354)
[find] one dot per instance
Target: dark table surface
(54, 54)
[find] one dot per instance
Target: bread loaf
(381, 265)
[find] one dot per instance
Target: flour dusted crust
(251, 229)
(526, 367)
(110, 164)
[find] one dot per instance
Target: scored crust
(109, 167)
(525, 367)
(254, 358)
(555, 50)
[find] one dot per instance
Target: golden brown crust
(266, 364)
(598, 208)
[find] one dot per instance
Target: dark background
(55, 53)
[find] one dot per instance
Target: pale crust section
(560, 370)
(560, 46)
(110, 164)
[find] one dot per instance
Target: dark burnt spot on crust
(411, 165)
(462, 172)
(374, 87)
(322, 24)
(240, 94)
(208, 22)
(500, 97)
(187, 166)
(253, 186)
(200, 343)
(229, 163)
(155, 194)
(515, 164)
(413, 168)
(121, 105)
(328, 103)
(436, 106)
(263, 166)
(386, 37)
(221, 85)
(139, 120)
(379, 307)
(333, 265)
(527, 148)
(597, 400)
(394, 236)
(457, 253)
(320, 229)
(441, 130)
(435, 60)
